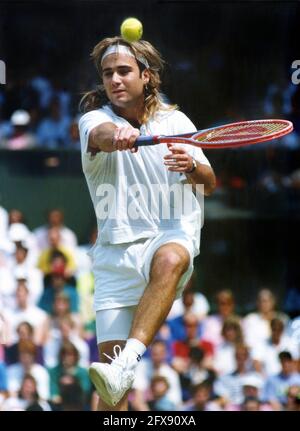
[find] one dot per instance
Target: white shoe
(113, 380)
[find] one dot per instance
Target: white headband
(122, 49)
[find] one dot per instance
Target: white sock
(133, 351)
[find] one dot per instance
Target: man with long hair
(142, 258)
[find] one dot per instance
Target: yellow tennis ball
(131, 29)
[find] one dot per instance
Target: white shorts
(114, 324)
(122, 271)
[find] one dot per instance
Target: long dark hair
(96, 98)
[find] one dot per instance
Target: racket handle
(142, 141)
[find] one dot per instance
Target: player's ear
(145, 76)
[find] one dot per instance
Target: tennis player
(142, 258)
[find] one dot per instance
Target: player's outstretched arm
(108, 137)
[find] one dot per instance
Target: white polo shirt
(124, 186)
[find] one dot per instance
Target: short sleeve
(88, 122)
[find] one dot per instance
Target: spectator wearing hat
(251, 389)
(19, 234)
(229, 387)
(18, 267)
(21, 138)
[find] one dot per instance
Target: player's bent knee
(172, 260)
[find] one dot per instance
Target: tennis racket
(231, 135)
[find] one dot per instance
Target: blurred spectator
(27, 398)
(18, 233)
(61, 309)
(26, 312)
(55, 219)
(276, 387)
(15, 216)
(72, 394)
(44, 90)
(22, 269)
(47, 260)
(212, 325)
(159, 400)
(202, 399)
(68, 365)
(52, 131)
(251, 388)
(251, 404)
(181, 348)
(256, 325)
(25, 332)
(21, 137)
(266, 353)
(27, 365)
(18, 267)
(73, 140)
(293, 399)
(192, 371)
(148, 368)
(65, 333)
(229, 387)
(57, 284)
(224, 358)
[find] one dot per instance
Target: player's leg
(168, 265)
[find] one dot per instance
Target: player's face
(123, 81)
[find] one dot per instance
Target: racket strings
(242, 132)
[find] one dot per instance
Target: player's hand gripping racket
(231, 135)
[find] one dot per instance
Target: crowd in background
(205, 356)
(40, 113)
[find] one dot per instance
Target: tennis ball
(131, 29)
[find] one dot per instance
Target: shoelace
(116, 359)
